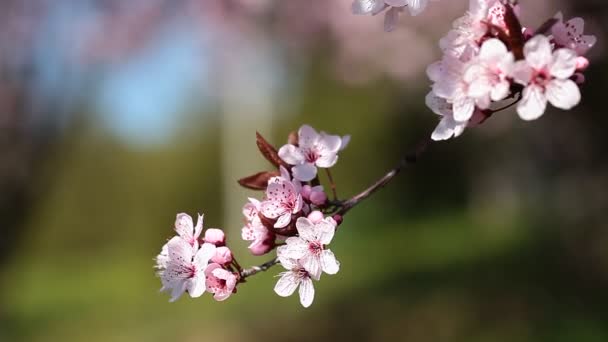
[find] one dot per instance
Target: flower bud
(318, 197)
(261, 248)
(223, 256)
(578, 78)
(315, 216)
(215, 236)
(582, 63)
(306, 191)
(338, 218)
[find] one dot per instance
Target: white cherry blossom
(393, 9)
(182, 267)
(487, 75)
(447, 127)
(309, 248)
(295, 276)
(546, 77)
(313, 150)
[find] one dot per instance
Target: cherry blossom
(447, 127)
(309, 247)
(393, 7)
(262, 238)
(296, 275)
(182, 268)
(546, 77)
(570, 35)
(282, 200)
(186, 229)
(220, 282)
(314, 194)
(488, 73)
(222, 256)
(313, 150)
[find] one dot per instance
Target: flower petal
(196, 286)
(312, 264)
(325, 230)
(564, 63)
(287, 284)
(304, 172)
(307, 136)
(306, 229)
(184, 226)
(283, 220)
(291, 154)
(533, 103)
(563, 94)
(307, 292)
(391, 18)
(329, 264)
(538, 52)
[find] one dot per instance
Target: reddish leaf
(259, 181)
(268, 151)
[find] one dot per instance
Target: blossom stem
(409, 159)
(332, 184)
(256, 269)
(507, 106)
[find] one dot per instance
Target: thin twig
(332, 184)
(256, 269)
(410, 158)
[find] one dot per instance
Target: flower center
(315, 248)
(541, 78)
(311, 155)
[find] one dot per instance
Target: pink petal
(307, 137)
(283, 220)
(291, 154)
(564, 63)
(304, 172)
(391, 18)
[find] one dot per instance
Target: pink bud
(261, 248)
(315, 216)
(215, 236)
(582, 63)
(578, 78)
(338, 219)
(223, 256)
(305, 192)
(318, 197)
(528, 33)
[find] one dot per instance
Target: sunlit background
(116, 115)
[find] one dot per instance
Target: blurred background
(116, 115)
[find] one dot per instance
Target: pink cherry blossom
(282, 200)
(316, 216)
(488, 73)
(309, 247)
(262, 239)
(183, 267)
(186, 229)
(295, 276)
(570, 34)
(546, 77)
(313, 150)
(220, 282)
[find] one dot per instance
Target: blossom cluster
(294, 217)
(189, 263)
(489, 56)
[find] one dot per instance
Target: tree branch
(410, 158)
(256, 269)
